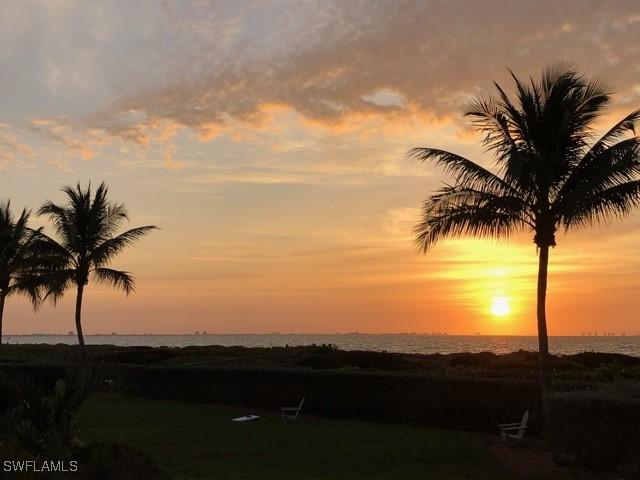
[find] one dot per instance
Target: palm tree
(552, 172)
(86, 227)
(20, 257)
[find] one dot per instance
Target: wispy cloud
(230, 68)
(12, 151)
(366, 58)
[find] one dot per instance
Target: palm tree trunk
(79, 318)
(2, 298)
(543, 339)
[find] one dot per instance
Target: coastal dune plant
(552, 173)
(86, 227)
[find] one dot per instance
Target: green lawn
(194, 441)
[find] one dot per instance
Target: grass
(198, 441)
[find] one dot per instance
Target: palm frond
(103, 253)
(608, 204)
(116, 213)
(453, 212)
(27, 284)
(115, 278)
(63, 224)
(25, 253)
(617, 164)
(625, 126)
(85, 226)
(57, 282)
(20, 258)
(493, 121)
(467, 173)
(550, 172)
(51, 253)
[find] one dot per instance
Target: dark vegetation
(595, 429)
(581, 367)
(38, 422)
(595, 408)
(116, 437)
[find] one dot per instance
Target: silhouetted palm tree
(19, 257)
(553, 172)
(86, 227)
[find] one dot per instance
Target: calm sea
(407, 343)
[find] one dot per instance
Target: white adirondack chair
(291, 413)
(514, 430)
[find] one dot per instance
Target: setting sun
(500, 306)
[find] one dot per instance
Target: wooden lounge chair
(291, 413)
(514, 430)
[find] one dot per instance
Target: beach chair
(291, 413)
(514, 430)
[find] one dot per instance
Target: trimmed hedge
(439, 401)
(599, 430)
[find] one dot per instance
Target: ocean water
(407, 343)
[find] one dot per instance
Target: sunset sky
(268, 140)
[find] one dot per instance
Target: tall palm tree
(552, 172)
(20, 258)
(87, 242)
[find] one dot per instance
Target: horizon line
(205, 333)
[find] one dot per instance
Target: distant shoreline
(426, 334)
(379, 342)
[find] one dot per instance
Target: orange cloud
(12, 150)
(392, 62)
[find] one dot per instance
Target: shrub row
(439, 401)
(587, 366)
(595, 429)
(598, 429)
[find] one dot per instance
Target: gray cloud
(433, 54)
(136, 71)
